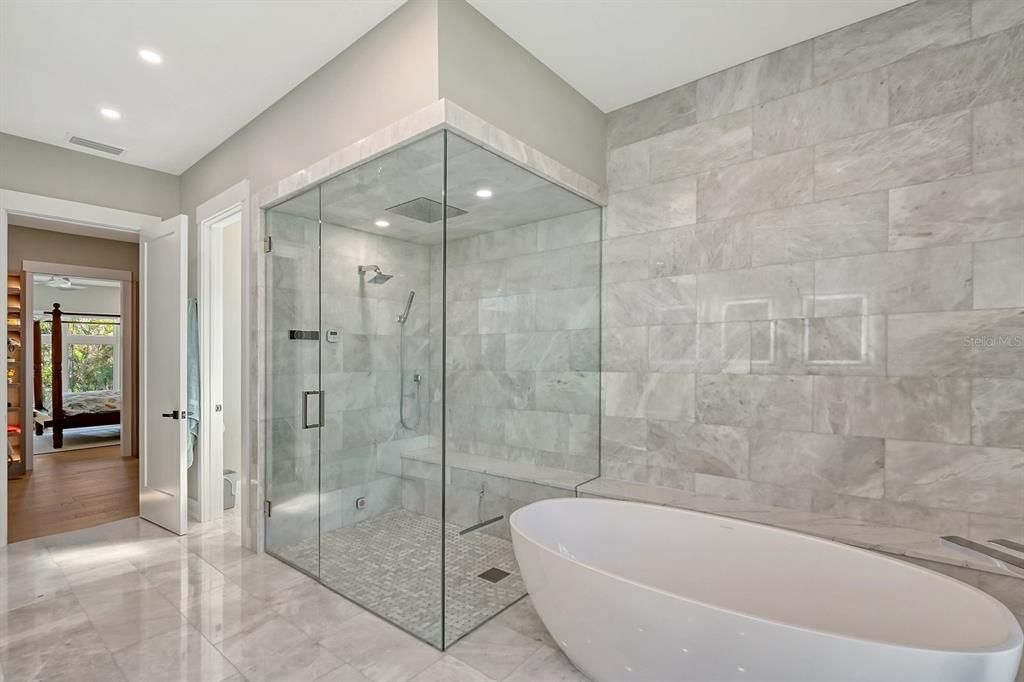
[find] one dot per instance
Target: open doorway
(215, 473)
(72, 381)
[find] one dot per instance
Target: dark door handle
(176, 414)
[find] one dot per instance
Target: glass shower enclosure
(433, 346)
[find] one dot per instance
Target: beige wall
(26, 243)
(37, 168)
(488, 73)
(387, 74)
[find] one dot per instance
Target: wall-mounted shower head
(378, 276)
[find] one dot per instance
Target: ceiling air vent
(93, 144)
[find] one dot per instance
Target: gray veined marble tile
(700, 448)
(999, 135)
(999, 274)
(507, 314)
(719, 142)
(655, 115)
(916, 280)
(771, 182)
(828, 112)
(885, 38)
(972, 208)
(893, 514)
(648, 395)
(626, 258)
(569, 309)
(918, 408)
(846, 465)
(624, 349)
(754, 492)
(989, 16)
(997, 412)
(629, 166)
(847, 345)
(541, 351)
(576, 392)
(779, 346)
(977, 343)
(673, 348)
(666, 300)
(723, 348)
(959, 77)
(652, 207)
(569, 230)
(755, 401)
(842, 227)
(719, 245)
(537, 430)
(624, 437)
(759, 80)
(963, 478)
(914, 152)
(764, 293)
(512, 241)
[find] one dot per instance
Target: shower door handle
(306, 395)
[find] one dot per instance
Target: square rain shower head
(425, 210)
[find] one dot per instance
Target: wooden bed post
(57, 402)
(37, 365)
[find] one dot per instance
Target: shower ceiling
(360, 197)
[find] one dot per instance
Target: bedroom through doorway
(72, 381)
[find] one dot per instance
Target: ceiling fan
(56, 282)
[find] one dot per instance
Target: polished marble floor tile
(180, 654)
(129, 601)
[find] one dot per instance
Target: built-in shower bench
(526, 472)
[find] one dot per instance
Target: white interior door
(163, 442)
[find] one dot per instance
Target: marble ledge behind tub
(898, 541)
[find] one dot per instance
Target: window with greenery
(91, 357)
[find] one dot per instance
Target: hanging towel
(193, 379)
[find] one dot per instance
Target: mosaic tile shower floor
(391, 565)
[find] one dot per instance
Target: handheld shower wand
(402, 319)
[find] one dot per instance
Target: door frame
(233, 200)
(127, 296)
(72, 217)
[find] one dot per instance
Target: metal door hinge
(268, 244)
(266, 507)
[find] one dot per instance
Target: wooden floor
(72, 490)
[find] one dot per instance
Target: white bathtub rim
(1014, 641)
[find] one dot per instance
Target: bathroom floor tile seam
(107, 603)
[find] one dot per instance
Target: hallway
(73, 490)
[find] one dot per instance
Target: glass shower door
(294, 396)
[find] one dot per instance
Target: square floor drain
(493, 575)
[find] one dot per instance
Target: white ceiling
(616, 52)
(224, 63)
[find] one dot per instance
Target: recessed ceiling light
(382, 223)
(150, 56)
(112, 114)
(484, 193)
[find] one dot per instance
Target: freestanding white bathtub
(639, 592)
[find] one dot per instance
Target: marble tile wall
(813, 276)
(523, 307)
